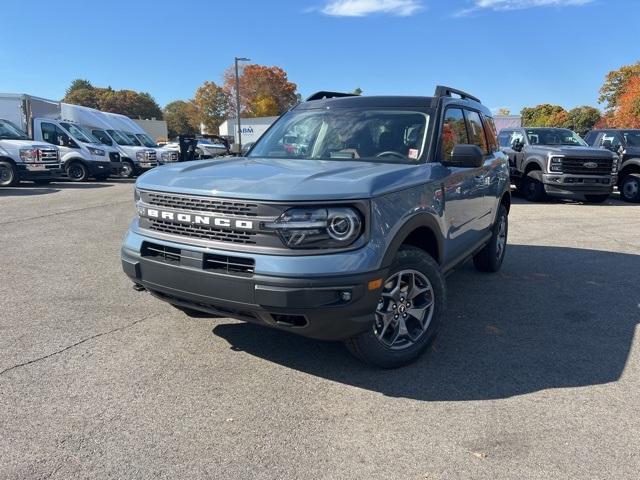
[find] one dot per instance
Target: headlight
(28, 155)
(141, 156)
(318, 227)
(615, 165)
(555, 164)
(165, 156)
(97, 152)
(136, 195)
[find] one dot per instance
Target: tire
(596, 198)
(8, 174)
(127, 170)
(393, 346)
(533, 189)
(490, 258)
(77, 172)
(630, 188)
(42, 181)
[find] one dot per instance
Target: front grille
(201, 231)
(151, 155)
(161, 252)
(200, 204)
(575, 166)
(48, 155)
(114, 156)
(227, 264)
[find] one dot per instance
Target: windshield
(132, 138)
(375, 135)
(80, 133)
(632, 138)
(146, 140)
(120, 138)
(8, 131)
(554, 136)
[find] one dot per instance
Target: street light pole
(239, 142)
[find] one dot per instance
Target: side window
(476, 132)
(591, 137)
(454, 131)
(505, 138)
(515, 135)
(610, 140)
(51, 133)
(102, 136)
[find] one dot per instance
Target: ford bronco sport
(557, 161)
(339, 224)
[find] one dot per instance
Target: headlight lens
(616, 165)
(28, 155)
(318, 227)
(96, 151)
(555, 165)
(140, 156)
(165, 156)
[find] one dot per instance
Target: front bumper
(563, 184)
(39, 172)
(331, 307)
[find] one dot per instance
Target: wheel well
(424, 239)
(506, 201)
(8, 159)
(531, 167)
(628, 170)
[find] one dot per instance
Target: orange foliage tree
(627, 114)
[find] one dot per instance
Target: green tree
(181, 118)
(212, 104)
(87, 97)
(544, 115)
(614, 84)
(78, 84)
(582, 119)
(358, 91)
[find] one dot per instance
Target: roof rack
(324, 95)
(442, 91)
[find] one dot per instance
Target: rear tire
(409, 314)
(596, 198)
(490, 258)
(533, 189)
(8, 174)
(127, 170)
(630, 188)
(77, 172)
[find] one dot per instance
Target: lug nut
(404, 315)
(394, 306)
(402, 299)
(395, 317)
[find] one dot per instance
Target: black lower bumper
(98, 168)
(327, 308)
(49, 173)
(577, 184)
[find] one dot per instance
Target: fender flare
(421, 220)
(635, 162)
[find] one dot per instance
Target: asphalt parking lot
(535, 375)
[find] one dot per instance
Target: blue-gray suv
(340, 223)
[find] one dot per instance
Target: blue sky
(510, 53)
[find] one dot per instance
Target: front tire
(630, 188)
(408, 315)
(490, 258)
(596, 198)
(127, 170)
(8, 174)
(77, 172)
(533, 189)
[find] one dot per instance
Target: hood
(24, 144)
(571, 151)
(283, 180)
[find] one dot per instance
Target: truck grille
(227, 264)
(576, 166)
(200, 204)
(114, 156)
(48, 155)
(151, 155)
(200, 231)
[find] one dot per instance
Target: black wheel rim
(76, 172)
(6, 175)
(126, 170)
(630, 188)
(405, 310)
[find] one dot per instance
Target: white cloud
(502, 5)
(361, 8)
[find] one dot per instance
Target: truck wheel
(490, 258)
(77, 172)
(127, 170)
(630, 188)
(8, 174)
(408, 315)
(596, 198)
(533, 189)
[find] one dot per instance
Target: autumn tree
(87, 97)
(627, 114)
(262, 90)
(504, 111)
(544, 115)
(614, 85)
(78, 84)
(212, 103)
(181, 118)
(582, 119)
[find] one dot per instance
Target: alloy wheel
(6, 175)
(501, 238)
(405, 310)
(630, 187)
(75, 172)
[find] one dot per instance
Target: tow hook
(138, 288)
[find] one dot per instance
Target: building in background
(252, 128)
(507, 121)
(156, 129)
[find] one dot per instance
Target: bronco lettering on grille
(194, 219)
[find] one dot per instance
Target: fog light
(345, 296)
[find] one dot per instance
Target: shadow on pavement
(30, 189)
(613, 200)
(552, 318)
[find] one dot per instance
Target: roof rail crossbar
(442, 91)
(324, 95)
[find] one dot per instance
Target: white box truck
(81, 154)
(135, 158)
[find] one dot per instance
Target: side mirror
(517, 145)
(466, 156)
(64, 140)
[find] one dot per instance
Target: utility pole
(239, 142)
